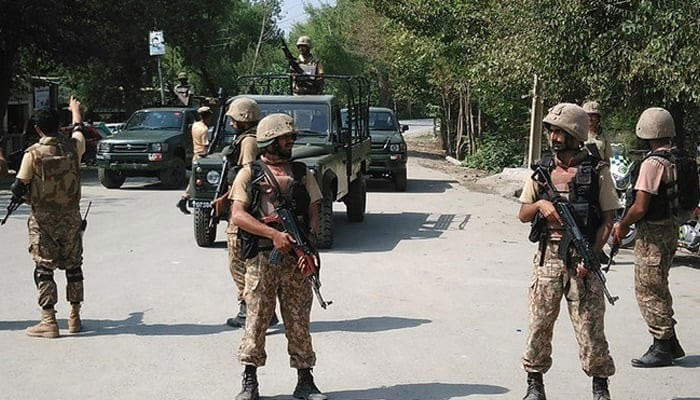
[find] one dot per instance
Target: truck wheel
(400, 181)
(204, 236)
(356, 200)
(109, 178)
(175, 176)
(325, 236)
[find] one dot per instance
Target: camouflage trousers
(55, 241)
(586, 306)
(236, 265)
(654, 250)
(264, 283)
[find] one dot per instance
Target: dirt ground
(426, 149)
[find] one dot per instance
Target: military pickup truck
(339, 157)
(155, 142)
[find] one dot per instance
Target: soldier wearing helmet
(200, 143)
(655, 200)
(258, 189)
(49, 180)
(184, 91)
(312, 84)
(595, 131)
(586, 182)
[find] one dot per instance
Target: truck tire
(110, 178)
(356, 199)
(324, 240)
(175, 176)
(400, 181)
(204, 236)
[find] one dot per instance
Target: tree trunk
(460, 127)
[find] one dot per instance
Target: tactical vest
(55, 185)
(235, 155)
(665, 204)
(296, 199)
(584, 188)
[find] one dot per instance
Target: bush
(494, 154)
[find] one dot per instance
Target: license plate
(200, 204)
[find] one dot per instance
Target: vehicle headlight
(395, 148)
(213, 177)
(103, 147)
(159, 147)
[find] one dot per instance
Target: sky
(293, 12)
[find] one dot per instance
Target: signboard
(156, 43)
(42, 97)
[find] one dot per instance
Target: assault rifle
(83, 222)
(572, 234)
(293, 63)
(302, 248)
(14, 205)
(219, 132)
(220, 191)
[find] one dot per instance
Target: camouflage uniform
(236, 265)
(55, 239)
(586, 305)
(264, 282)
(654, 249)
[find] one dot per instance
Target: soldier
(49, 178)
(311, 66)
(183, 90)
(657, 238)
(200, 143)
(595, 131)
(257, 190)
(586, 182)
(245, 114)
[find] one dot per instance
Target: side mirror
(404, 128)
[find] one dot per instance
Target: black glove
(83, 225)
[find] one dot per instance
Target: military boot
(600, 389)
(249, 386)
(676, 349)
(535, 387)
(182, 205)
(74, 322)
(47, 327)
(239, 320)
(658, 355)
(306, 388)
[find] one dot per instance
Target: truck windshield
(152, 120)
(311, 119)
(378, 120)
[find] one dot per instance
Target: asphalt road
(429, 300)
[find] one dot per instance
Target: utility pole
(262, 32)
(535, 148)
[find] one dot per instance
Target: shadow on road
(362, 325)
(413, 391)
(688, 362)
(414, 185)
(425, 154)
(686, 260)
(133, 325)
(382, 232)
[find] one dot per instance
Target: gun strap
(271, 178)
(543, 247)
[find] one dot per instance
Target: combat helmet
(274, 126)
(181, 75)
(304, 41)
(244, 109)
(569, 117)
(592, 107)
(655, 123)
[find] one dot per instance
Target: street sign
(156, 44)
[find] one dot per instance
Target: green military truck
(155, 142)
(338, 156)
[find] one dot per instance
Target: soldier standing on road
(245, 114)
(49, 179)
(200, 143)
(183, 90)
(653, 213)
(311, 66)
(595, 131)
(587, 183)
(258, 188)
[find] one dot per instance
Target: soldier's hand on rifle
(282, 242)
(546, 208)
(221, 204)
(581, 270)
(619, 232)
